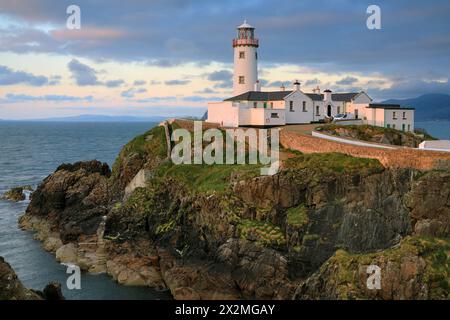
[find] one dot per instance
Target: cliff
(12, 289)
(223, 231)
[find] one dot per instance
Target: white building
(252, 107)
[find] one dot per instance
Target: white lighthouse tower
(245, 46)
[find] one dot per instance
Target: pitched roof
(260, 96)
(280, 95)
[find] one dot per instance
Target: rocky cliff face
(12, 289)
(208, 232)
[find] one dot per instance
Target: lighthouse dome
(245, 25)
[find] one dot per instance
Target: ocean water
(30, 151)
(438, 129)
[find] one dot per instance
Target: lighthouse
(245, 46)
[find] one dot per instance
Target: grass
(297, 217)
(204, 178)
(151, 144)
(264, 233)
(334, 163)
(368, 133)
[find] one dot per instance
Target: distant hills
(101, 118)
(434, 106)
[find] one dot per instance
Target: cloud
(206, 91)
(278, 83)
(312, 82)
(139, 82)
(223, 79)
(12, 98)
(83, 74)
(201, 99)
(176, 82)
(164, 63)
(409, 88)
(156, 99)
(11, 77)
(114, 83)
(88, 33)
(130, 93)
(347, 81)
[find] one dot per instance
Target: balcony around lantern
(245, 42)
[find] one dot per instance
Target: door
(329, 111)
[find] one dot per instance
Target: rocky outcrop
(73, 200)
(10, 286)
(415, 269)
(225, 232)
(17, 194)
(429, 204)
(12, 289)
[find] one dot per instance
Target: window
(256, 55)
(404, 115)
(394, 115)
(317, 111)
(393, 126)
(241, 54)
(304, 106)
(241, 80)
(388, 126)
(265, 105)
(403, 127)
(274, 115)
(291, 106)
(356, 114)
(409, 127)
(338, 110)
(255, 104)
(271, 105)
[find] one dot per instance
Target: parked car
(342, 116)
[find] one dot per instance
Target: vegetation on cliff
(416, 269)
(225, 231)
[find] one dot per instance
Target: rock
(73, 200)
(52, 244)
(67, 253)
(53, 291)
(184, 293)
(10, 286)
(429, 204)
(402, 270)
(15, 194)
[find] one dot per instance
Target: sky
(170, 57)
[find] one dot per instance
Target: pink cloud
(87, 33)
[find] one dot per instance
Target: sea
(438, 129)
(29, 152)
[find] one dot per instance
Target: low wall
(349, 122)
(397, 157)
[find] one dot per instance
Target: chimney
(316, 90)
(283, 88)
(257, 86)
(327, 95)
(297, 85)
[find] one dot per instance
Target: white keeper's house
(250, 106)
